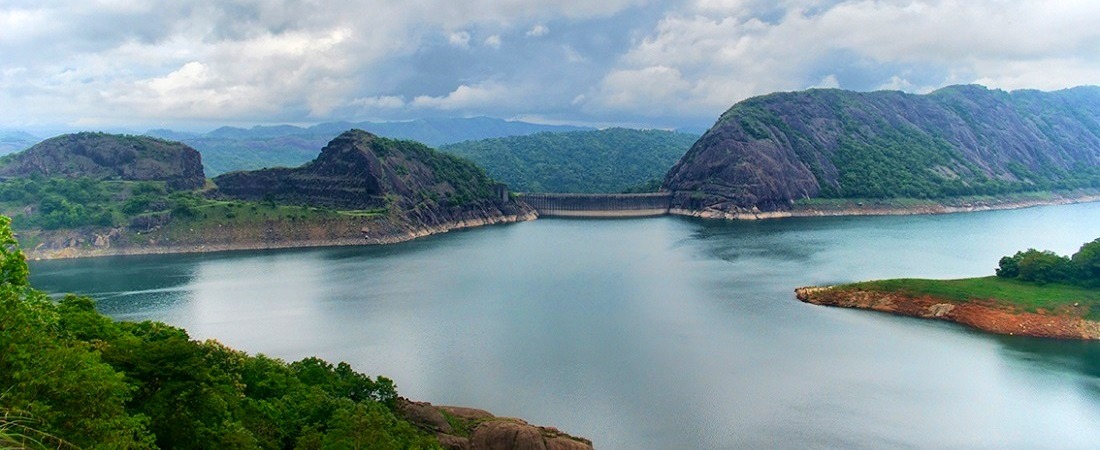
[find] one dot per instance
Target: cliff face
(110, 156)
(768, 151)
(360, 171)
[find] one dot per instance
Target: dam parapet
(599, 205)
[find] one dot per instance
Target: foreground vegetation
(71, 377)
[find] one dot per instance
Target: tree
(1087, 260)
(1009, 266)
(13, 265)
(1045, 267)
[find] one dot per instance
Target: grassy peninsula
(1035, 293)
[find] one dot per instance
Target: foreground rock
(460, 428)
(1066, 323)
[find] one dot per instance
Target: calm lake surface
(652, 333)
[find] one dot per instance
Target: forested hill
(109, 156)
(770, 151)
(610, 160)
(229, 148)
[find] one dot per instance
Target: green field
(1023, 295)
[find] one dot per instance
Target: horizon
(53, 131)
(194, 65)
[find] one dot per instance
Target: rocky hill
(598, 161)
(360, 171)
(109, 156)
(769, 152)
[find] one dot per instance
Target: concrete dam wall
(599, 205)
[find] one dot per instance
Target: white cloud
(572, 55)
(127, 61)
(493, 41)
(538, 31)
(459, 39)
(829, 82)
(140, 61)
(465, 97)
(722, 51)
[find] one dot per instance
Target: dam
(599, 205)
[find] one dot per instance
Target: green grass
(1026, 296)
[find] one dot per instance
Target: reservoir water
(652, 333)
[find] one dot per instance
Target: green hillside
(611, 160)
(770, 151)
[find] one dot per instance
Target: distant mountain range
(227, 149)
(14, 141)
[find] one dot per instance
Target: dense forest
(71, 377)
(611, 160)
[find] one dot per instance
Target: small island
(1034, 293)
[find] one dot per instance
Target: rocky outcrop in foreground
(1066, 323)
(767, 153)
(110, 156)
(459, 428)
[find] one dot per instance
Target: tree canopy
(71, 377)
(1083, 268)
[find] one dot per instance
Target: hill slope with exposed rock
(360, 171)
(109, 156)
(768, 153)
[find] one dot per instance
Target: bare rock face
(475, 429)
(110, 156)
(767, 152)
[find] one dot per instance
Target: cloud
(467, 97)
(135, 62)
(829, 82)
(538, 31)
(493, 41)
(704, 57)
(379, 102)
(127, 62)
(459, 39)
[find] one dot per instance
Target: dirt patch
(1066, 323)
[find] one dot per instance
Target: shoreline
(985, 316)
(405, 235)
(892, 210)
(73, 252)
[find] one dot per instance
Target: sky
(199, 64)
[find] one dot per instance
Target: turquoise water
(652, 333)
